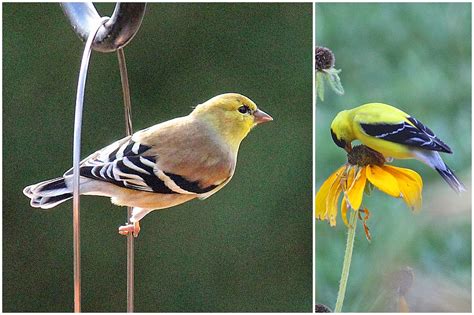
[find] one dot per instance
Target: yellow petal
(344, 211)
(355, 188)
(327, 197)
(410, 184)
(383, 180)
(414, 176)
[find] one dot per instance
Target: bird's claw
(128, 228)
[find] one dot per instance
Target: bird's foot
(128, 228)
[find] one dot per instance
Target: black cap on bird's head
(340, 143)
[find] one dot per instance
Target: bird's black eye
(244, 109)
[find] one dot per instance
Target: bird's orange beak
(261, 117)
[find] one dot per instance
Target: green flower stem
(347, 261)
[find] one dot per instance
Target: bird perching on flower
(164, 165)
(395, 134)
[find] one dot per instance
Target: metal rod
(130, 268)
(104, 35)
(76, 161)
(126, 91)
(128, 130)
(116, 33)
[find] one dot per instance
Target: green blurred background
(249, 247)
(416, 57)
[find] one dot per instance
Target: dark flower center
(362, 155)
(324, 58)
(321, 308)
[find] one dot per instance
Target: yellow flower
(365, 165)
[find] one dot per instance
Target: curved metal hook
(115, 33)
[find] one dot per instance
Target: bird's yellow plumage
(374, 113)
(165, 165)
(393, 133)
(222, 113)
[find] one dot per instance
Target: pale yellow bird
(164, 165)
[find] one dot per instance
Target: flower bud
(324, 58)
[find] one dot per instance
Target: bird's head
(232, 115)
(341, 131)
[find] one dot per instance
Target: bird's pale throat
(362, 155)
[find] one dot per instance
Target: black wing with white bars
(123, 164)
(415, 134)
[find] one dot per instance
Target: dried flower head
(325, 71)
(362, 155)
(321, 308)
(324, 58)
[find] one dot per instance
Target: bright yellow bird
(164, 165)
(395, 134)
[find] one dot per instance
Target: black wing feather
(417, 135)
(125, 166)
(121, 175)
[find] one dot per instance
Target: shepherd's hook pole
(76, 160)
(105, 35)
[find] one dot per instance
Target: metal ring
(115, 33)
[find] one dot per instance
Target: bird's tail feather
(451, 179)
(48, 194)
